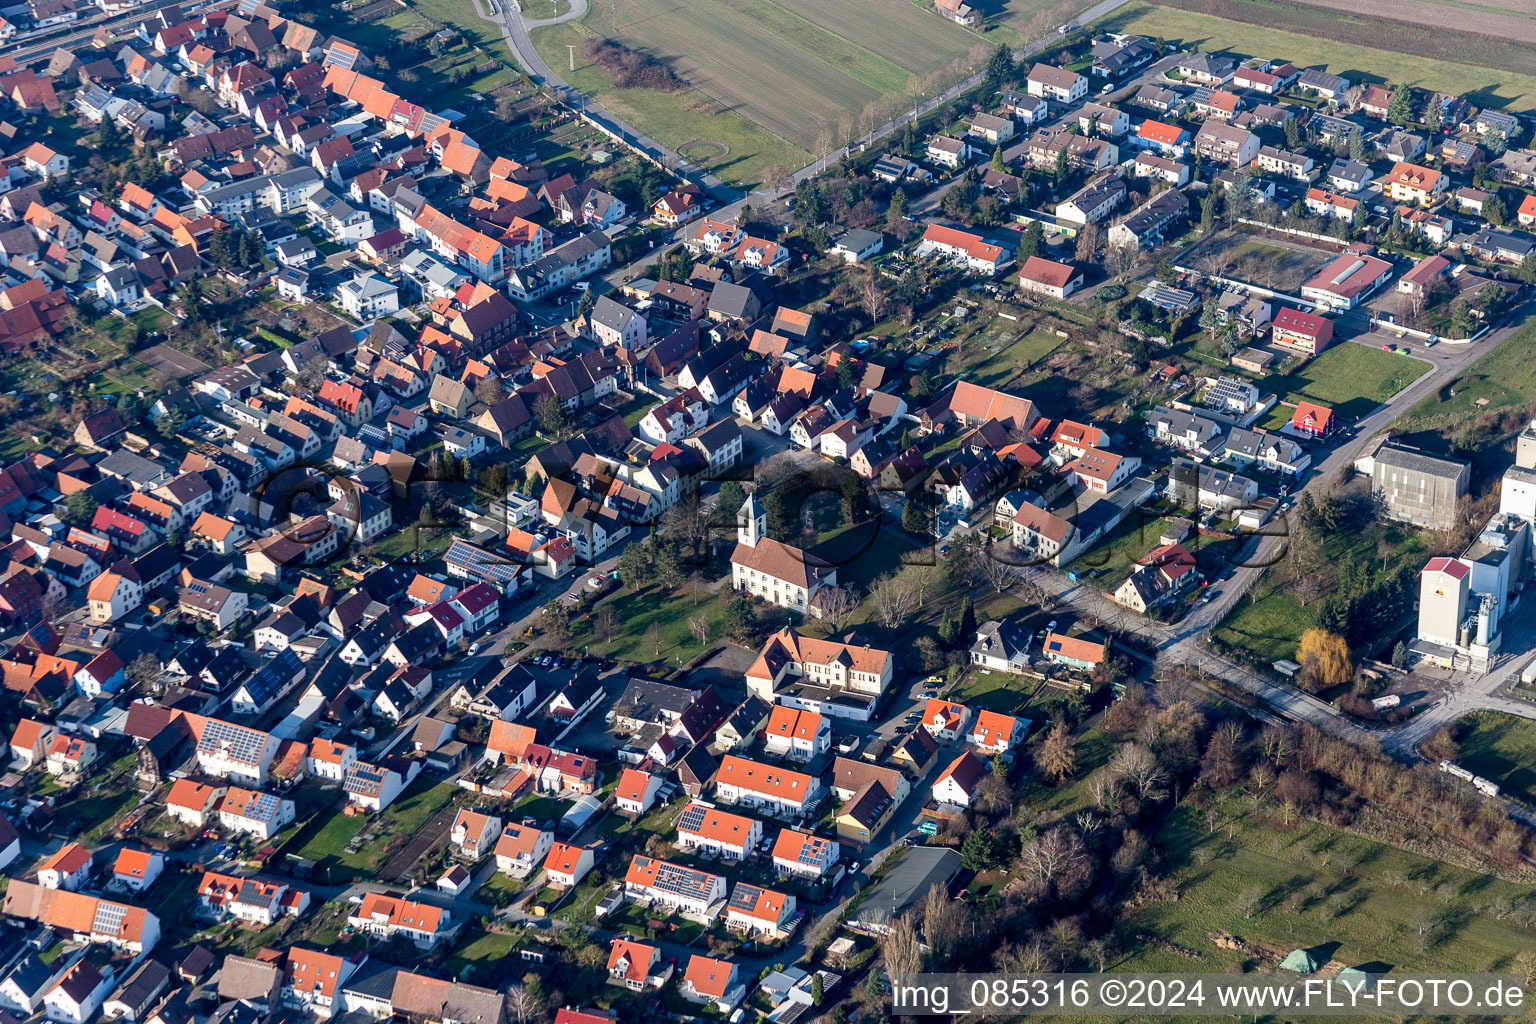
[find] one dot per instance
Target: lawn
(1313, 886)
(328, 845)
(1503, 379)
(539, 807)
(1502, 748)
(863, 551)
(1497, 88)
(992, 360)
(1269, 620)
(483, 954)
(994, 691)
(637, 611)
(463, 16)
(717, 137)
(1108, 564)
(1349, 378)
(97, 808)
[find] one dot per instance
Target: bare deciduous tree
(1103, 786)
(698, 625)
(901, 949)
(1138, 766)
(835, 604)
(944, 924)
(1044, 858)
(1088, 239)
(873, 298)
(1249, 901)
(1121, 260)
(1001, 575)
(606, 623)
(1056, 757)
(893, 598)
(522, 1004)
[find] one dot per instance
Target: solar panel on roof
(745, 897)
(238, 742)
(692, 818)
(108, 919)
(683, 881)
(811, 851)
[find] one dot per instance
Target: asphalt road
(1448, 362)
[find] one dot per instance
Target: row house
(717, 832)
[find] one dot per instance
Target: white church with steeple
(778, 573)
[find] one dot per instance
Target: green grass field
(1503, 379)
(1319, 888)
(460, 14)
(485, 955)
(720, 139)
(994, 359)
(995, 691)
(794, 67)
(1350, 379)
(770, 81)
(1502, 748)
(1269, 620)
(1186, 28)
(637, 611)
(327, 845)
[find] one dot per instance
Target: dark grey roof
(1349, 170)
(611, 314)
(730, 299)
(908, 882)
(1406, 457)
(30, 974)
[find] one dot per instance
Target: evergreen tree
(914, 516)
(219, 253)
(107, 135)
(778, 513)
(1211, 319)
(1493, 211)
(854, 499)
(1400, 108)
(741, 622)
(967, 619)
(1292, 133)
(728, 501)
(248, 253)
(1030, 241)
(997, 160)
(1000, 66)
(1208, 211)
(896, 213)
(1527, 271)
(948, 630)
(1434, 117)
(1356, 147)
(1060, 170)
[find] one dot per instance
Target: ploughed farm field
(1491, 71)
